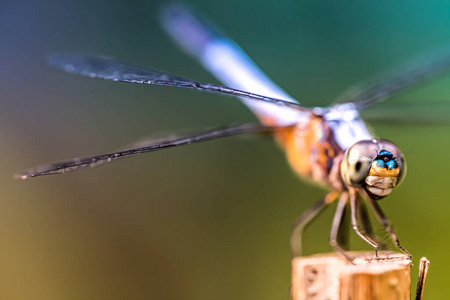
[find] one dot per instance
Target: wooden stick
(332, 277)
(423, 272)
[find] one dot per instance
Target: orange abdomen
(312, 151)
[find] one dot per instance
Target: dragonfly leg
(342, 236)
(354, 222)
(363, 217)
(304, 219)
(385, 222)
(337, 222)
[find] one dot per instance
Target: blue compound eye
(374, 166)
(385, 159)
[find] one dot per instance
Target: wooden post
(332, 277)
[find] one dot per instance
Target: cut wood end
(332, 277)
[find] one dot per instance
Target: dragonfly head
(374, 166)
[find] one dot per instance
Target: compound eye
(402, 167)
(389, 163)
(357, 162)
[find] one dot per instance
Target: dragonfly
(330, 145)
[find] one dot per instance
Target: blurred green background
(207, 221)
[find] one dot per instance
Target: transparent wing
(423, 69)
(226, 61)
(111, 69)
(93, 161)
(432, 113)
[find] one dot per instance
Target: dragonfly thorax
(373, 166)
